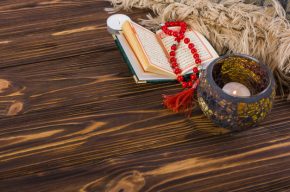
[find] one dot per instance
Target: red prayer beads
(179, 36)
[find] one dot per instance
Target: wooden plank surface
(72, 118)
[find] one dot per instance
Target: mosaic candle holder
(234, 112)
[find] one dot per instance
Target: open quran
(147, 53)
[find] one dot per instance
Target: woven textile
(285, 4)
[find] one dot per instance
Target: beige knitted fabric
(230, 25)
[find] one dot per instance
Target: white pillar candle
(115, 22)
(236, 89)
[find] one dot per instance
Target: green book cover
(135, 76)
(125, 58)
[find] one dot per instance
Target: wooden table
(72, 118)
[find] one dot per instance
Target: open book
(147, 53)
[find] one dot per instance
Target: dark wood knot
(15, 108)
(4, 84)
(128, 182)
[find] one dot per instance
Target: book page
(183, 54)
(152, 48)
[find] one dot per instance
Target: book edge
(135, 76)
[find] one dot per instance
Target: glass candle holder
(233, 111)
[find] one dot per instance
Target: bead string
(179, 36)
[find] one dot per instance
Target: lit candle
(115, 22)
(236, 89)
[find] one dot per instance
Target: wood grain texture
(72, 118)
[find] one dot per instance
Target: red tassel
(181, 102)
